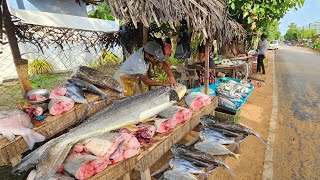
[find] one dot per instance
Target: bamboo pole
(20, 64)
(206, 74)
(145, 40)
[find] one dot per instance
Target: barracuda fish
(87, 86)
(213, 136)
(187, 151)
(131, 110)
(97, 78)
(211, 121)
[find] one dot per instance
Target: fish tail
(259, 137)
(236, 156)
(33, 158)
(220, 163)
(31, 137)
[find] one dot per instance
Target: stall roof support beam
(20, 64)
(207, 56)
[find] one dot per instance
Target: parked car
(274, 44)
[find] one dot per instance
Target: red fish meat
(197, 100)
(165, 125)
(178, 113)
(37, 97)
(143, 132)
(61, 91)
(60, 105)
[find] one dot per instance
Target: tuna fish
(143, 132)
(16, 122)
(176, 112)
(197, 100)
(178, 175)
(97, 78)
(89, 87)
(214, 149)
(213, 136)
(131, 110)
(60, 105)
(75, 93)
(86, 166)
(179, 164)
(165, 125)
(211, 121)
(60, 91)
(187, 151)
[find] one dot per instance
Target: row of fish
(230, 94)
(187, 160)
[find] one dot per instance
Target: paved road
(297, 142)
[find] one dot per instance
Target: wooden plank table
(153, 151)
(230, 69)
(11, 152)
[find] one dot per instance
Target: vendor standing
(135, 69)
(212, 65)
(262, 54)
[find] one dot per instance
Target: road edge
(268, 160)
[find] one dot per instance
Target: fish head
(173, 95)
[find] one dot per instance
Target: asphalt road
(296, 150)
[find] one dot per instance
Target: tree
(254, 14)
(294, 33)
(272, 30)
(102, 11)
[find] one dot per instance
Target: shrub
(316, 44)
(106, 58)
(40, 66)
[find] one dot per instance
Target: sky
(309, 13)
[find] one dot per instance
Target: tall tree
(272, 30)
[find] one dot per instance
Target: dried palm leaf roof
(207, 17)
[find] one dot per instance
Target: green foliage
(316, 44)
(158, 74)
(173, 61)
(40, 66)
(106, 58)
(294, 33)
(102, 11)
(272, 30)
(47, 81)
(253, 14)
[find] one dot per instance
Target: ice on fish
(179, 164)
(197, 100)
(214, 149)
(60, 105)
(16, 122)
(213, 136)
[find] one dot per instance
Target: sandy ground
(254, 114)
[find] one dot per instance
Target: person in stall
(135, 69)
(263, 46)
(212, 65)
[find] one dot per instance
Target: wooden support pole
(206, 74)
(20, 64)
(145, 40)
(145, 175)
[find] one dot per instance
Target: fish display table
(154, 150)
(11, 152)
(231, 69)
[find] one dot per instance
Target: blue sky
(309, 13)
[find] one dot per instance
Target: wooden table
(153, 151)
(230, 70)
(11, 152)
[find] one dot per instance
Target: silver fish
(214, 149)
(226, 102)
(97, 78)
(179, 164)
(87, 86)
(213, 136)
(132, 110)
(178, 175)
(74, 93)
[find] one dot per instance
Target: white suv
(274, 44)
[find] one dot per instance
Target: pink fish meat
(197, 100)
(143, 132)
(85, 166)
(165, 125)
(61, 91)
(113, 146)
(16, 122)
(37, 97)
(60, 105)
(178, 113)
(34, 111)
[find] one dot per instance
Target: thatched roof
(208, 17)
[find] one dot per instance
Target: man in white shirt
(136, 67)
(262, 53)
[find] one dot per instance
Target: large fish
(131, 110)
(180, 164)
(75, 93)
(207, 134)
(211, 121)
(214, 149)
(187, 151)
(87, 86)
(97, 78)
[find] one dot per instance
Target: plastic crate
(225, 115)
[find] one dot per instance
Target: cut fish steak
(37, 97)
(16, 122)
(60, 91)
(143, 132)
(165, 125)
(197, 100)
(131, 110)
(178, 113)
(60, 105)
